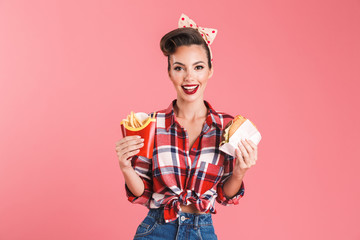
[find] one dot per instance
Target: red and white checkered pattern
(176, 175)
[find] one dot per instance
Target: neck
(190, 110)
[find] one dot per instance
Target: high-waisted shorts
(187, 226)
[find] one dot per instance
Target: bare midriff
(190, 209)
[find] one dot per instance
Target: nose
(189, 75)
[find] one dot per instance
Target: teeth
(190, 88)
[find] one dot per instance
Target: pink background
(71, 70)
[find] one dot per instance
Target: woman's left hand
(246, 156)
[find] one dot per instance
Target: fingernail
(142, 139)
(138, 136)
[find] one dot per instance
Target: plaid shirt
(176, 175)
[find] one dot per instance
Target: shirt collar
(212, 118)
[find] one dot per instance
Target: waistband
(184, 218)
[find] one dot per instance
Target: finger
(247, 146)
(238, 153)
(251, 143)
(120, 149)
(128, 155)
(123, 149)
(240, 160)
(133, 147)
(243, 150)
(249, 149)
(127, 138)
(254, 146)
(131, 142)
(245, 156)
(128, 142)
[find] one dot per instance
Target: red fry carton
(146, 131)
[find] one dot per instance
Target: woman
(187, 173)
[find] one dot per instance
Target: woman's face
(189, 72)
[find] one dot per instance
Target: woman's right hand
(126, 148)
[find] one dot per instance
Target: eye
(199, 67)
(177, 68)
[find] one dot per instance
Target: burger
(231, 128)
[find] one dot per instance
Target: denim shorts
(187, 226)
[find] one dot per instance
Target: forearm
(133, 181)
(232, 185)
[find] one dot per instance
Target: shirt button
(194, 149)
(182, 218)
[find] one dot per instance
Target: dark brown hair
(180, 37)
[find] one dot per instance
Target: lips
(190, 89)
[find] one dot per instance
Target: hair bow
(208, 34)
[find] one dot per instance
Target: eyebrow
(184, 64)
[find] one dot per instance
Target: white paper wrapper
(246, 130)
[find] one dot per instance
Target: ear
(211, 71)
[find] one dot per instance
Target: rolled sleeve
(221, 197)
(143, 167)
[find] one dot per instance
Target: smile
(190, 89)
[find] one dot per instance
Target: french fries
(133, 121)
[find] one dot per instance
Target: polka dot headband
(208, 34)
